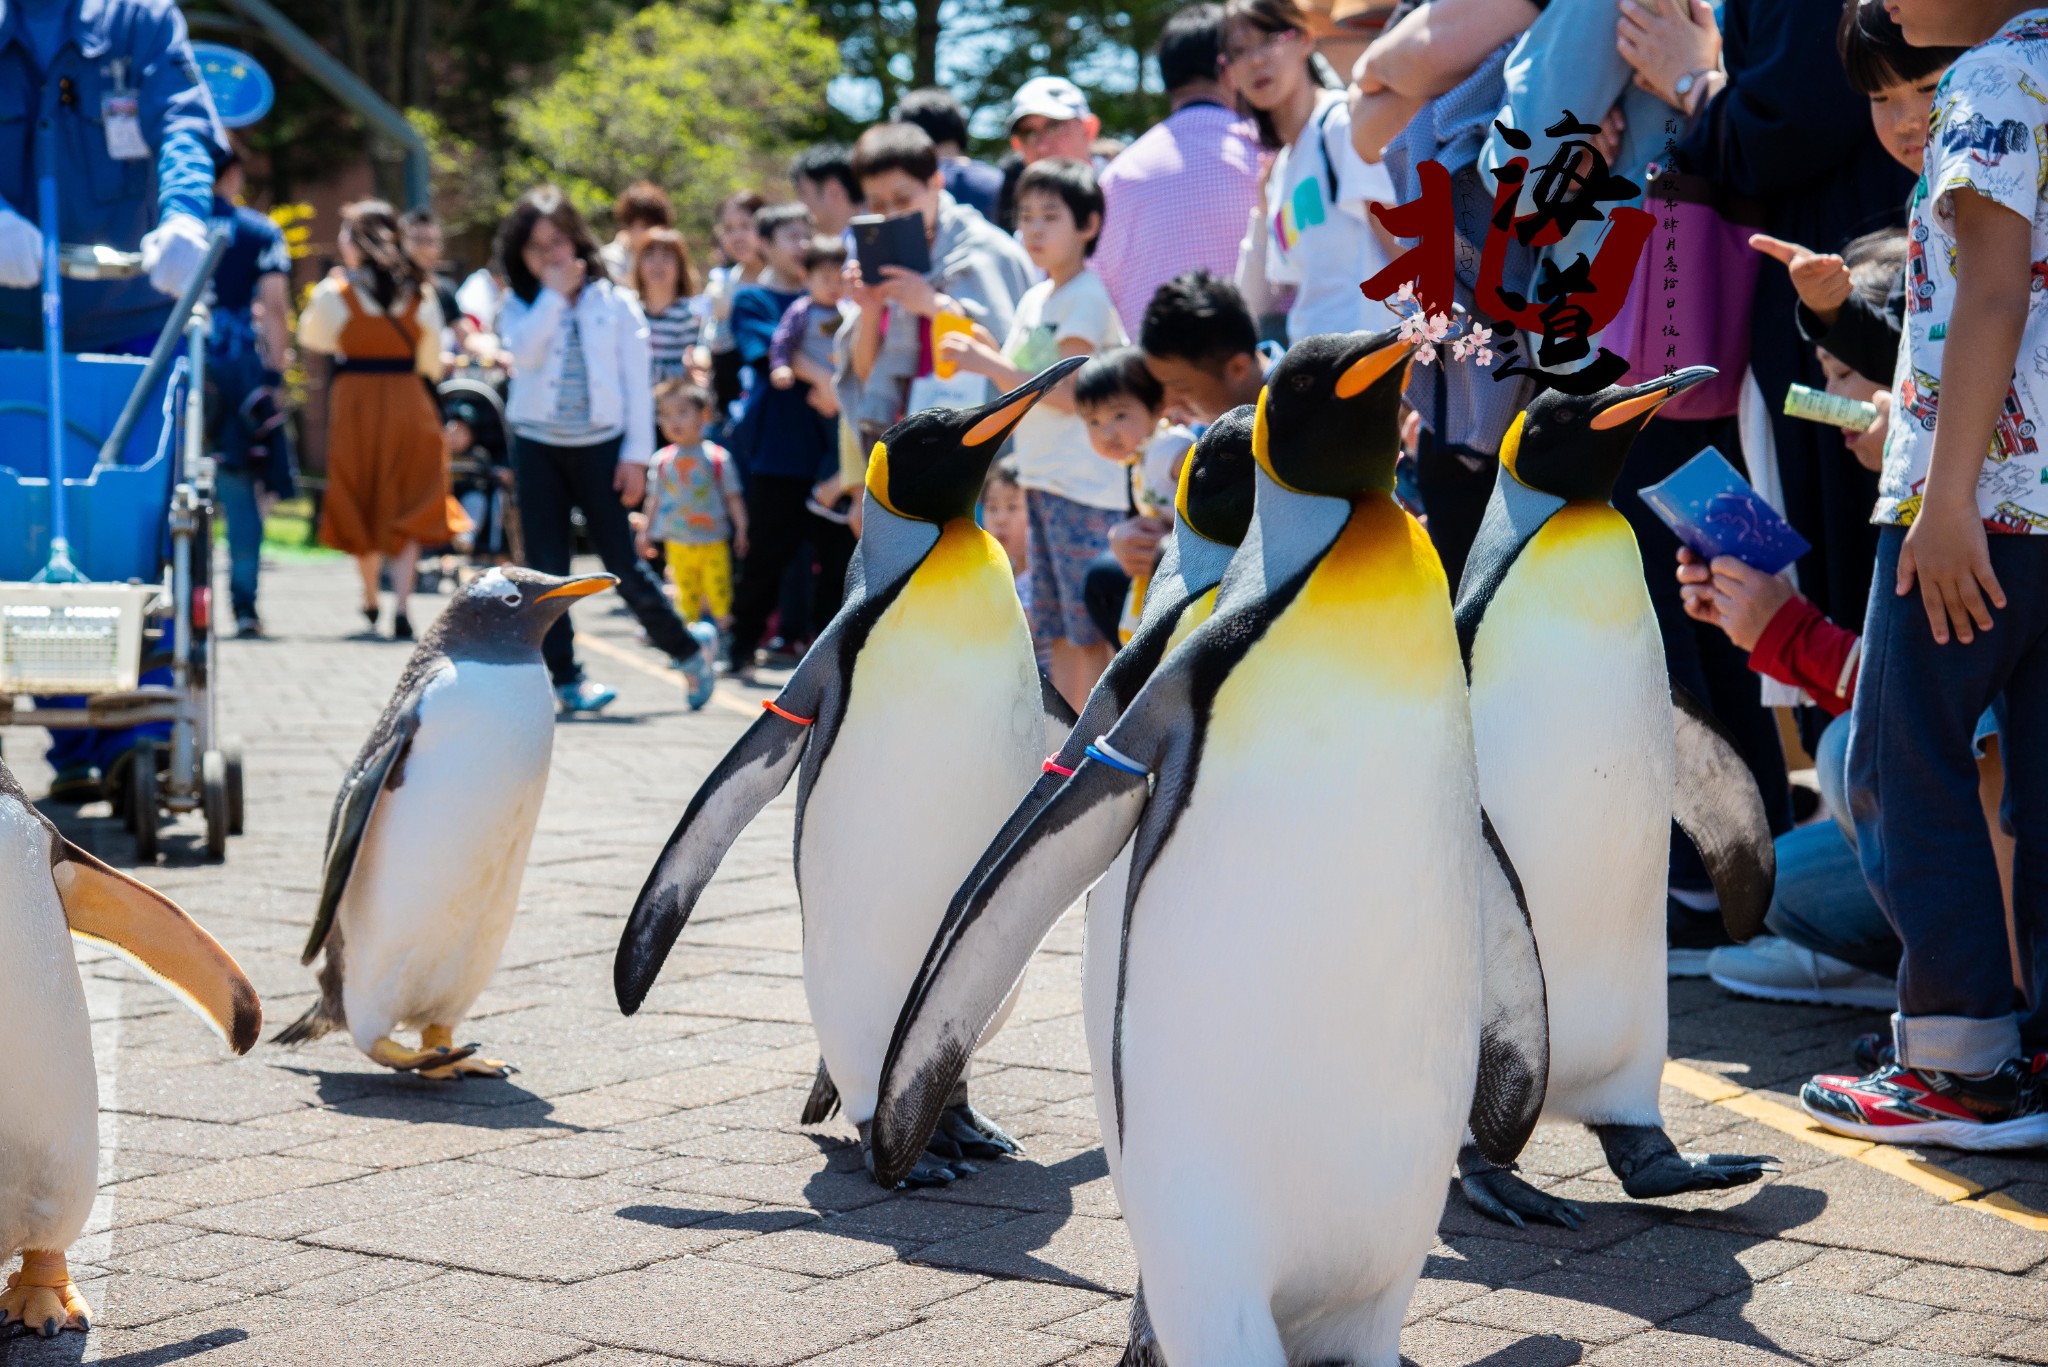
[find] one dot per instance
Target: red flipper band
(769, 705)
(1052, 765)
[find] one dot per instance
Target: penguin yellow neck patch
(1376, 608)
(1583, 563)
(1262, 443)
(878, 477)
(1511, 448)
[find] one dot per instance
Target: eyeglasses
(1029, 133)
(1266, 46)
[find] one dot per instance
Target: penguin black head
(1214, 500)
(1329, 420)
(931, 465)
(1572, 446)
(502, 613)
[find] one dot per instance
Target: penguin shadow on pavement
(68, 1349)
(481, 1103)
(993, 1222)
(1684, 1264)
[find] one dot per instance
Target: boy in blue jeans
(1959, 611)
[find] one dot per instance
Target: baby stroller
(106, 501)
(478, 441)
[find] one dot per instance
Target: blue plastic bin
(116, 514)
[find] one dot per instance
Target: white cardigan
(614, 350)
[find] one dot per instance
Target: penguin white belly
(49, 1091)
(1571, 712)
(435, 885)
(1304, 959)
(942, 735)
(1101, 952)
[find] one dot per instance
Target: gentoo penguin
(919, 718)
(1312, 896)
(1585, 759)
(427, 844)
(49, 1093)
(1212, 514)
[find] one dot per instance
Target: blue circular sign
(241, 88)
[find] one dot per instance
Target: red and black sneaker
(1897, 1105)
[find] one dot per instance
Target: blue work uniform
(136, 137)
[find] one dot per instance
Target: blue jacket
(111, 49)
(775, 431)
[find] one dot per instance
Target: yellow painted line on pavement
(672, 677)
(1937, 1181)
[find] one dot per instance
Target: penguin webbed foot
(426, 1061)
(1499, 1195)
(1650, 1165)
(930, 1170)
(964, 1132)
(41, 1297)
(469, 1066)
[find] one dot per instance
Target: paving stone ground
(642, 1193)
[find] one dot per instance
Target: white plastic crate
(71, 638)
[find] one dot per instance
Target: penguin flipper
(148, 929)
(758, 766)
(989, 935)
(1715, 801)
(1514, 1038)
(380, 766)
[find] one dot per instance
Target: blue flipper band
(1108, 754)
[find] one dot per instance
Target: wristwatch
(1683, 87)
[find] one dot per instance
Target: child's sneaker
(701, 669)
(584, 696)
(1897, 1105)
(1774, 969)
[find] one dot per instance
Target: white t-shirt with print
(1155, 475)
(1052, 450)
(1987, 133)
(1321, 247)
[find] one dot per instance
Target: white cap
(1048, 97)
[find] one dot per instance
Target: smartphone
(898, 241)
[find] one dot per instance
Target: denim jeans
(1920, 828)
(235, 492)
(1822, 902)
(552, 481)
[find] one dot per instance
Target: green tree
(701, 102)
(985, 49)
(456, 61)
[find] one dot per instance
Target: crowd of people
(711, 428)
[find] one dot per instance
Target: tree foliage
(985, 49)
(458, 60)
(701, 102)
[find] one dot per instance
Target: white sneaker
(1776, 970)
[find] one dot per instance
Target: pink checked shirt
(1176, 199)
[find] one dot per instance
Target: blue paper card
(1713, 510)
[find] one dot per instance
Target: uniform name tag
(122, 115)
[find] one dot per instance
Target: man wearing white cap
(1048, 118)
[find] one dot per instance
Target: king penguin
(919, 718)
(427, 844)
(1212, 513)
(1586, 756)
(1312, 896)
(51, 890)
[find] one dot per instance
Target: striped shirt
(670, 334)
(1176, 199)
(569, 424)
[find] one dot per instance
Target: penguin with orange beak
(427, 845)
(1587, 754)
(914, 725)
(50, 891)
